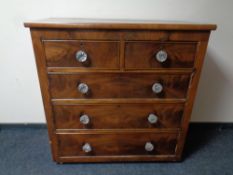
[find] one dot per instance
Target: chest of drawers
(118, 91)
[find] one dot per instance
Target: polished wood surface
(124, 35)
(118, 85)
(43, 79)
(120, 73)
(81, 23)
(118, 116)
(100, 54)
(142, 55)
(111, 144)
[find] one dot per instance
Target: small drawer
(82, 54)
(118, 85)
(117, 144)
(154, 55)
(118, 116)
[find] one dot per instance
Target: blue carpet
(25, 151)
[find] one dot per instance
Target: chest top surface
(117, 24)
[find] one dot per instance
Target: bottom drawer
(117, 144)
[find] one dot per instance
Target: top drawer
(152, 55)
(82, 54)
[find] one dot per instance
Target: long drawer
(116, 144)
(118, 116)
(118, 85)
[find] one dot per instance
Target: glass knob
(84, 119)
(87, 148)
(83, 88)
(161, 56)
(157, 88)
(149, 146)
(81, 56)
(152, 118)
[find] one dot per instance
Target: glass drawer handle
(83, 88)
(157, 88)
(81, 56)
(149, 146)
(87, 148)
(161, 56)
(84, 119)
(152, 118)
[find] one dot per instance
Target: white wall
(20, 99)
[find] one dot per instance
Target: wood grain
(120, 78)
(118, 158)
(118, 116)
(126, 35)
(100, 54)
(116, 101)
(65, 70)
(79, 23)
(191, 96)
(115, 85)
(110, 144)
(142, 55)
(44, 87)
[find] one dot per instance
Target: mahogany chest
(118, 90)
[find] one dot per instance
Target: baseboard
(21, 125)
(212, 125)
(193, 125)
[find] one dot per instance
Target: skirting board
(206, 125)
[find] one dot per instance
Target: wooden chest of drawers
(118, 91)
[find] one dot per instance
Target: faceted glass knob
(81, 56)
(149, 146)
(152, 118)
(87, 148)
(83, 88)
(84, 119)
(157, 88)
(161, 56)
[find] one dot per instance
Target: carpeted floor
(25, 151)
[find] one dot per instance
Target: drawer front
(96, 54)
(118, 85)
(110, 144)
(118, 116)
(152, 55)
